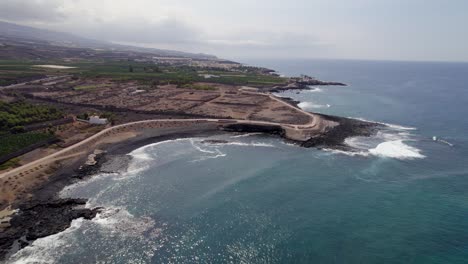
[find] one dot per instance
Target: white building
(96, 120)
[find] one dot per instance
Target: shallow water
(400, 199)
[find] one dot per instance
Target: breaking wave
(313, 90)
(309, 105)
(247, 135)
(396, 149)
(392, 126)
(141, 235)
(390, 143)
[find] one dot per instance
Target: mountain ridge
(9, 31)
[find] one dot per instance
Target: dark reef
(35, 220)
(46, 214)
(251, 128)
(335, 137)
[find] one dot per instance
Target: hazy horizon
(362, 30)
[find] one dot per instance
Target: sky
(418, 30)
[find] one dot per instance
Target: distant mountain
(17, 32)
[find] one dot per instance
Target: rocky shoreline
(302, 84)
(36, 220)
(335, 137)
(46, 213)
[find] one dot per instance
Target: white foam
(197, 147)
(348, 153)
(114, 222)
(383, 144)
(396, 149)
(140, 154)
(244, 144)
(314, 90)
(46, 250)
(247, 135)
(215, 153)
(359, 143)
(219, 155)
(118, 219)
(396, 127)
(310, 105)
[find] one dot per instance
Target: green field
(20, 113)
(145, 73)
(15, 142)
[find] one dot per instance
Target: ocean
(401, 198)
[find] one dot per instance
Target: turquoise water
(402, 198)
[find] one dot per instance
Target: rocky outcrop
(335, 137)
(251, 128)
(36, 220)
(302, 85)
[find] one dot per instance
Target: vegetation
(17, 114)
(15, 142)
(15, 162)
(13, 117)
(147, 72)
(9, 78)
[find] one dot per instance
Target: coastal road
(317, 123)
(62, 154)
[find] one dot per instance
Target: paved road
(314, 119)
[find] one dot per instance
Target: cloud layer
(360, 29)
(31, 10)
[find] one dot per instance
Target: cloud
(161, 24)
(31, 10)
(165, 31)
(265, 43)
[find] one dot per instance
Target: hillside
(12, 35)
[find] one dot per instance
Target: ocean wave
(124, 228)
(120, 220)
(245, 144)
(247, 135)
(347, 153)
(140, 154)
(383, 144)
(68, 191)
(48, 249)
(313, 90)
(396, 149)
(310, 105)
(216, 153)
(390, 149)
(394, 126)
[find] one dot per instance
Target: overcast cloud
(358, 29)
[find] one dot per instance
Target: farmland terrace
(197, 99)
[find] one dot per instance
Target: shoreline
(57, 213)
(44, 203)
